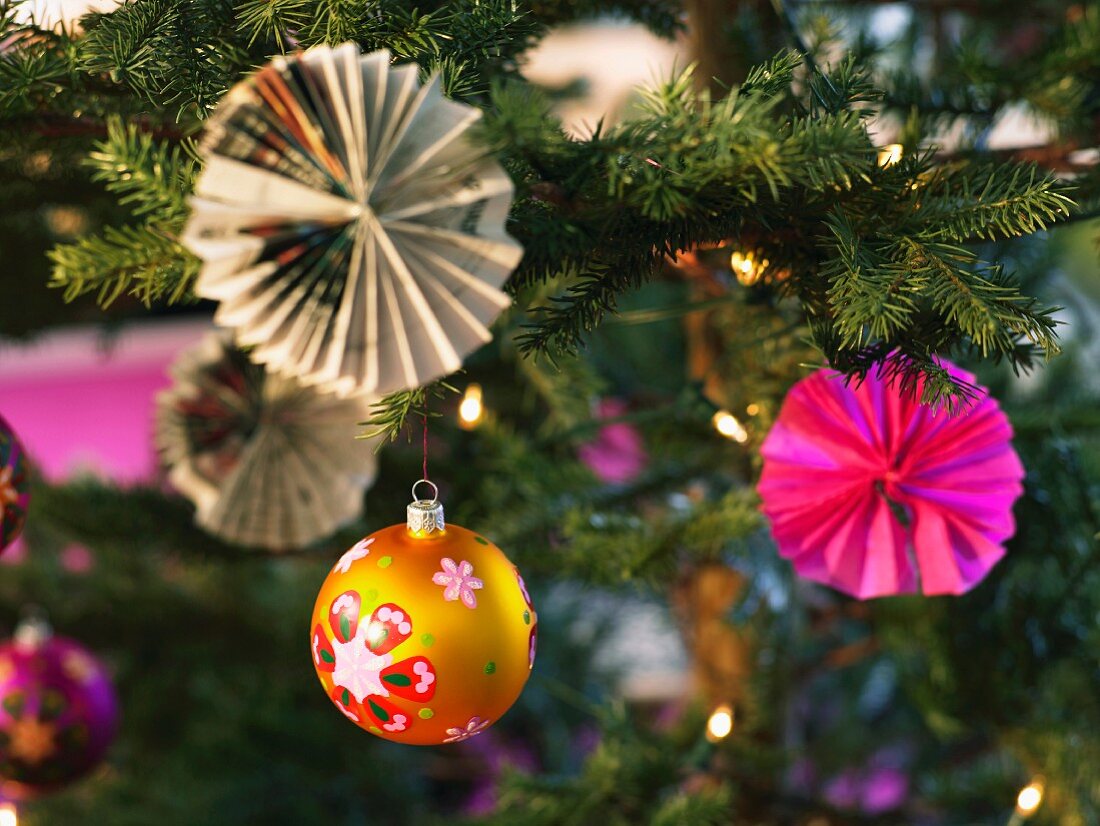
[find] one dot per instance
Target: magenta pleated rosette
(872, 493)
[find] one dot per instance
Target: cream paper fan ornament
(266, 460)
(351, 231)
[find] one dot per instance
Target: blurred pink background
(82, 401)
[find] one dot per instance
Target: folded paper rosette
(266, 460)
(350, 229)
(874, 494)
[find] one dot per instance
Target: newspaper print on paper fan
(267, 461)
(351, 231)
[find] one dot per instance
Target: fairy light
(752, 409)
(8, 815)
(889, 155)
(720, 723)
(1029, 799)
(727, 425)
(470, 410)
(747, 267)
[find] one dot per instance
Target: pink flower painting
(458, 581)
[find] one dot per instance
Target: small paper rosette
(872, 493)
(352, 232)
(267, 461)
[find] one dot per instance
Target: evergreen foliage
(871, 268)
(878, 251)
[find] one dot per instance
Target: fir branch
(141, 261)
(710, 807)
(961, 202)
(663, 17)
(919, 297)
(390, 413)
(151, 177)
(31, 66)
(489, 36)
(273, 21)
(614, 547)
(567, 387)
(773, 77)
(975, 82)
(560, 326)
(682, 174)
(167, 51)
(985, 304)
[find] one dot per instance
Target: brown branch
(58, 125)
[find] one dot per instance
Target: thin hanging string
(425, 468)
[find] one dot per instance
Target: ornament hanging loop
(431, 484)
(425, 516)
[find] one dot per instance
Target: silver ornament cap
(424, 517)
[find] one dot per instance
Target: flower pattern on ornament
(365, 677)
(472, 728)
(8, 494)
(358, 669)
(427, 677)
(397, 724)
(356, 552)
(458, 581)
(523, 589)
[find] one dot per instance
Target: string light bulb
(1029, 799)
(747, 267)
(470, 409)
(720, 723)
(727, 425)
(8, 815)
(889, 154)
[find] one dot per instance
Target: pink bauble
(617, 454)
(14, 485)
(58, 713)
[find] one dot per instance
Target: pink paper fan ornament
(874, 494)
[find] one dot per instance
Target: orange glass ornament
(424, 633)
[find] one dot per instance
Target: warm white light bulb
(889, 155)
(726, 424)
(720, 723)
(747, 267)
(470, 410)
(8, 815)
(741, 263)
(1029, 798)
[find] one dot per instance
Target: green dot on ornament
(481, 541)
(526, 617)
(427, 640)
(426, 714)
(490, 667)
(385, 562)
(370, 596)
(374, 730)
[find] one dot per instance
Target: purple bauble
(14, 486)
(58, 712)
